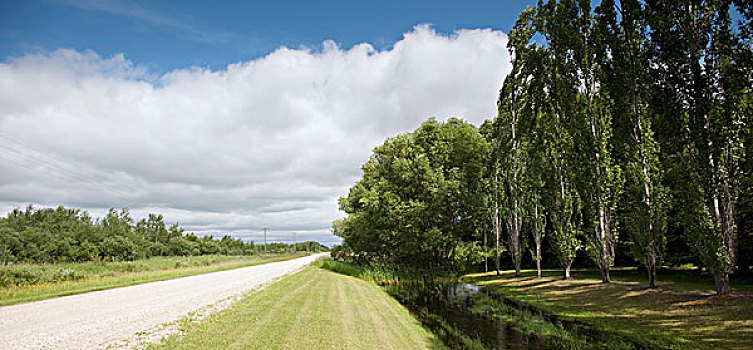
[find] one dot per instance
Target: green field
(312, 309)
(20, 283)
(683, 313)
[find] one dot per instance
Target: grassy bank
(459, 326)
(683, 313)
(312, 309)
(21, 283)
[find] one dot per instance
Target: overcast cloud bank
(270, 142)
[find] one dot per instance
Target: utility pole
(265, 240)
(295, 249)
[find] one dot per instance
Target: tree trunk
(537, 236)
(721, 280)
(496, 225)
(651, 275)
(724, 221)
(486, 254)
(496, 259)
(567, 269)
(514, 219)
(722, 209)
(516, 254)
(496, 247)
(514, 226)
(605, 273)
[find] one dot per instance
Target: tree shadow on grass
(684, 309)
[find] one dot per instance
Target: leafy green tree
(10, 245)
(535, 186)
(117, 223)
(85, 251)
(209, 246)
(628, 83)
(511, 138)
(700, 61)
(420, 196)
(493, 192)
(153, 228)
(558, 125)
(51, 235)
(598, 175)
(176, 232)
(116, 248)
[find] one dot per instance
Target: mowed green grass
(683, 313)
(312, 309)
(92, 276)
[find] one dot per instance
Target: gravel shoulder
(101, 319)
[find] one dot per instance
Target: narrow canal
(447, 310)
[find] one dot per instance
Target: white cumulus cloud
(270, 142)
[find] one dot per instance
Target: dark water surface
(445, 309)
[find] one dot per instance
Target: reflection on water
(445, 309)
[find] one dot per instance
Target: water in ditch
(445, 310)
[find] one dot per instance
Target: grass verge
(56, 280)
(312, 309)
(683, 313)
(459, 326)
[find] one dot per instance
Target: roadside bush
(208, 246)
(182, 247)
(86, 251)
(117, 248)
(10, 245)
(157, 249)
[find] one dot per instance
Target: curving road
(101, 319)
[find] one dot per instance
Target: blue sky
(228, 117)
(164, 35)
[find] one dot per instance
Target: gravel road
(100, 319)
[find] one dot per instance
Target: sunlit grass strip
(148, 270)
(312, 309)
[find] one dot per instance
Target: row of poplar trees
(613, 119)
(616, 113)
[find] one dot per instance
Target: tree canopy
(621, 126)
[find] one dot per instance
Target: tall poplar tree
(600, 178)
(514, 113)
(529, 100)
(491, 178)
(697, 55)
(628, 83)
(558, 123)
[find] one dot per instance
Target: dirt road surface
(101, 319)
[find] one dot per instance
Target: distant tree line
(62, 234)
(622, 130)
